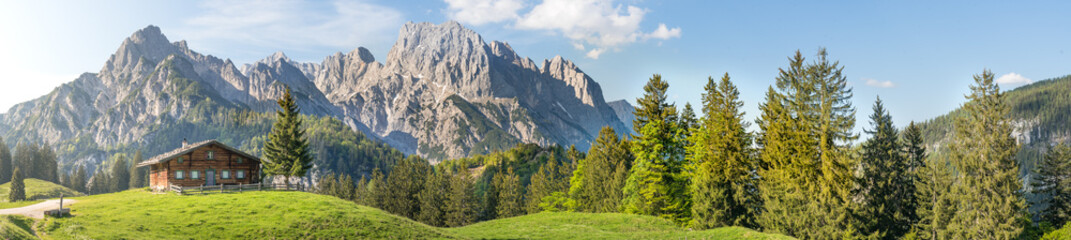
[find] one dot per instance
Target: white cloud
(285, 24)
(881, 84)
(1013, 78)
(665, 33)
(478, 12)
(594, 26)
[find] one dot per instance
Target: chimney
(184, 142)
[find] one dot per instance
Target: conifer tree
(461, 202)
(658, 183)
(546, 180)
(932, 185)
(25, 158)
(808, 176)
(510, 195)
(987, 186)
(120, 174)
(404, 184)
(286, 151)
(723, 183)
(47, 164)
(433, 199)
(1053, 184)
(595, 185)
(887, 186)
(6, 165)
(376, 190)
(79, 181)
(139, 177)
(18, 188)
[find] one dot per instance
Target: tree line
(801, 174)
(28, 160)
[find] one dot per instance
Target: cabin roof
(189, 148)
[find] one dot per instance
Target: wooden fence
(225, 188)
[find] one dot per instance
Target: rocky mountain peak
(363, 54)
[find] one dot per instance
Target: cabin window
(195, 174)
(211, 155)
(179, 174)
(240, 174)
(225, 174)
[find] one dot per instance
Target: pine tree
(404, 183)
(286, 151)
(326, 184)
(510, 195)
(594, 186)
(658, 183)
(808, 179)
(433, 199)
(18, 188)
(723, 183)
(983, 153)
(887, 186)
(99, 183)
(25, 158)
(346, 188)
(48, 166)
(461, 203)
(1053, 184)
(376, 190)
(6, 165)
(79, 181)
(139, 177)
(543, 183)
(120, 174)
(932, 183)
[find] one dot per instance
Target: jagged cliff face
(442, 92)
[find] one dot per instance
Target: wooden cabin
(203, 163)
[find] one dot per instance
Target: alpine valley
(443, 92)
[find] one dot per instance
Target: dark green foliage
(987, 187)
(723, 181)
(120, 174)
(887, 187)
(340, 186)
(5, 162)
(36, 161)
(1053, 182)
(78, 180)
(551, 177)
(433, 198)
(139, 177)
(596, 185)
(461, 202)
(808, 123)
(658, 183)
(404, 184)
(18, 188)
(510, 194)
(100, 183)
(286, 152)
(932, 186)
(371, 191)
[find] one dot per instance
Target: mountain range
(442, 92)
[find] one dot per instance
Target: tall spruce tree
(17, 191)
(658, 182)
(461, 202)
(723, 184)
(433, 198)
(139, 177)
(405, 182)
(25, 158)
(510, 194)
(547, 179)
(594, 186)
(987, 186)
(79, 180)
(933, 182)
(808, 175)
(120, 174)
(887, 185)
(286, 151)
(1053, 184)
(48, 165)
(6, 164)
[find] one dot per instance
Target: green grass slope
(563, 225)
(138, 214)
(39, 189)
(16, 227)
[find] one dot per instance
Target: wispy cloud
(877, 83)
(286, 24)
(601, 24)
(478, 12)
(1013, 78)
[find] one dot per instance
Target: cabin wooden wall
(163, 174)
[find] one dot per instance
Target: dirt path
(37, 210)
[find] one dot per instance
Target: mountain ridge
(442, 92)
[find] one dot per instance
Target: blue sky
(919, 56)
